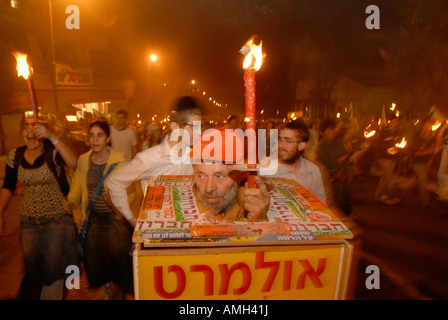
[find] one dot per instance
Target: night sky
(200, 39)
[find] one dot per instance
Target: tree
(417, 53)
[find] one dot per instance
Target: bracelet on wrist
(55, 142)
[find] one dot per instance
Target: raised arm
(65, 152)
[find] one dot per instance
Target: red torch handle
(249, 85)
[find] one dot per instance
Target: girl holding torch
(47, 231)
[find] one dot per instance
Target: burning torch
(401, 145)
(252, 63)
(26, 72)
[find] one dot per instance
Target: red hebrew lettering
(148, 224)
(313, 225)
(140, 224)
(226, 274)
(171, 224)
(183, 223)
(208, 275)
(324, 227)
(71, 76)
(309, 271)
(273, 265)
(158, 282)
(162, 223)
(336, 225)
(287, 275)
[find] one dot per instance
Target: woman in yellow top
(106, 250)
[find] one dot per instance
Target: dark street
(407, 242)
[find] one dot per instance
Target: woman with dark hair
(47, 231)
(105, 252)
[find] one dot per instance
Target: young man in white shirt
(162, 159)
(122, 136)
(292, 140)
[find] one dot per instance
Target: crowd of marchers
(81, 185)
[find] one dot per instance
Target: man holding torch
(387, 151)
(219, 187)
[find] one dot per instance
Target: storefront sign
(68, 76)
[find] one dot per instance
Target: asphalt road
(406, 242)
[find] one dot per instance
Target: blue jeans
(49, 245)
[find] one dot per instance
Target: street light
(152, 59)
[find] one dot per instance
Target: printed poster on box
(171, 214)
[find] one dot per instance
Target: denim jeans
(49, 245)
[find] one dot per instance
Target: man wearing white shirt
(292, 140)
(122, 137)
(159, 160)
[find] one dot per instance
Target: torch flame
(253, 54)
(436, 126)
(402, 144)
(369, 134)
(23, 69)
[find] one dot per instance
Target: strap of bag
(82, 235)
(98, 189)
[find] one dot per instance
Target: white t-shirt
(123, 141)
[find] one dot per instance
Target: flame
(22, 66)
(436, 126)
(392, 108)
(247, 119)
(369, 134)
(402, 144)
(253, 54)
(338, 115)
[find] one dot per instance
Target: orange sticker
(241, 229)
(154, 198)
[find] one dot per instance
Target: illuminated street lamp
(152, 59)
